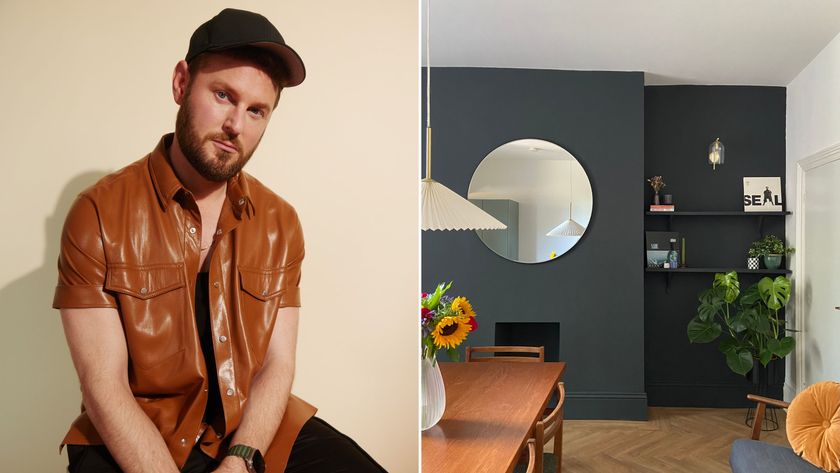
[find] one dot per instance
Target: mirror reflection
(540, 191)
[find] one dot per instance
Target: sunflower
(462, 306)
(450, 332)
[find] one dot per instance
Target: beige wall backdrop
(86, 90)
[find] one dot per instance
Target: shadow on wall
(42, 395)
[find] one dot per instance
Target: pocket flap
(264, 284)
(144, 282)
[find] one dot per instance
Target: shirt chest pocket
(259, 299)
(152, 304)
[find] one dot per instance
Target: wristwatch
(253, 458)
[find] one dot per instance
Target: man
(178, 285)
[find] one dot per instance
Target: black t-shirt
(213, 413)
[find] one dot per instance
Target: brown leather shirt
(132, 242)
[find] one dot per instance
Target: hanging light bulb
(716, 153)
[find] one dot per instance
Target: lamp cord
(428, 98)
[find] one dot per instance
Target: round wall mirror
(540, 191)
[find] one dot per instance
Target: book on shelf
(662, 208)
(763, 194)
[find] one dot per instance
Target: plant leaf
(730, 285)
(454, 354)
(740, 362)
(783, 347)
(728, 344)
(700, 331)
(741, 321)
(433, 299)
(750, 296)
(774, 292)
(765, 356)
(762, 325)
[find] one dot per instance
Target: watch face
(258, 462)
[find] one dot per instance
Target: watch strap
(246, 453)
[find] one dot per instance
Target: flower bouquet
(445, 322)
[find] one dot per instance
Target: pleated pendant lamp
(443, 209)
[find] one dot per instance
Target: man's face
(223, 116)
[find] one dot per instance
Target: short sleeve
(81, 261)
(290, 290)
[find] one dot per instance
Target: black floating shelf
(670, 272)
(718, 270)
(721, 213)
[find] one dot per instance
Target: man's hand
(232, 464)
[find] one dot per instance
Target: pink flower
(473, 324)
(424, 295)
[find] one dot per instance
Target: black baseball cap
(232, 28)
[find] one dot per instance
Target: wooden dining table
(491, 409)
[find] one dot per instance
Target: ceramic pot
(772, 261)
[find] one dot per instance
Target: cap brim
(290, 57)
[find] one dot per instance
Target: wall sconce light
(716, 153)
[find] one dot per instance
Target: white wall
(813, 124)
(86, 90)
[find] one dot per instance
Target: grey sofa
(753, 456)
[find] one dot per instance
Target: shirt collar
(167, 185)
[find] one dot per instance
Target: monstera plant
(747, 322)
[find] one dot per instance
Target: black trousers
(319, 448)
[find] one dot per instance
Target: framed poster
(763, 194)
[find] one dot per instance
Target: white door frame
(816, 160)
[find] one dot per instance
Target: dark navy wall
(680, 123)
(595, 291)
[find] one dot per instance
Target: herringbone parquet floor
(672, 440)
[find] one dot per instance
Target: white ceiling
(720, 42)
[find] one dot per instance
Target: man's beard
(217, 166)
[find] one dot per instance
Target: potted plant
(752, 258)
(656, 183)
(747, 322)
(771, 249)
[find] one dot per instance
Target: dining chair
(518, 351)
(551, 427)
(532, 455)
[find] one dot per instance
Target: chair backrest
(540, 351)
(551, 426)
(532, 457)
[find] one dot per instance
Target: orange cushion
(813, 425)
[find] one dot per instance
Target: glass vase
(433, 395)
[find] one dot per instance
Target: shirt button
(242, 201)
(230, 392)
(216, 284)
(183, 442)
(223, 339)
(143, 290)
(218, 435)
(219, 231)
(192, 230)
(265, 293)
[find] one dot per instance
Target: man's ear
(180, 81)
